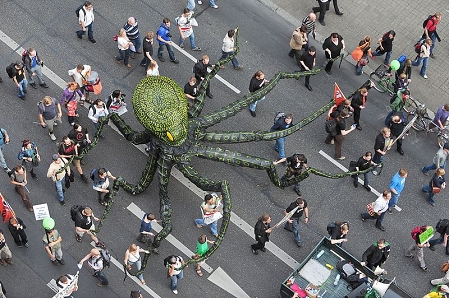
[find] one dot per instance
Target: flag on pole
(338, 95)
(286, 217)
(6, 209)
(65, 290)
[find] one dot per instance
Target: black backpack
(279, 115)
(74, 211)
(424, 24)
(331, 127)
(77, 11)
(330, 228)
(168, 260)
(442, 226)
(11, 70)
(348, 273)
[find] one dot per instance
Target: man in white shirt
(86, 20)
(79, 75)
(185, 23)
(379, 209)
(95, 261)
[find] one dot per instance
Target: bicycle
(382, 79)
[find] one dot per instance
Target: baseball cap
(55, 157)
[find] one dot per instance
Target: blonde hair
(47, 100)
(121, 32)
(132, 247)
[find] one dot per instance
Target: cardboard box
(312, 291)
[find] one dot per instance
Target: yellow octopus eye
(169, 136)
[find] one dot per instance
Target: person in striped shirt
(132, 32)
(309, 22)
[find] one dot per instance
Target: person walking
(211, 3)
(18, 177)
(185, 26)
(436, 185)
(17, 229)
(49, 114)
(58, 175)
(295, 165)
(309, 22)
(362, 164)
(439, 160)
(338, 231)
(84, 224)
(132, 32)
(442, 227)
(29, 154)
(145, 231)
(211, 210)
(385, 46)
(175, 272)
(147, 49)
(262, 232)
(153, 69)
(201, 248)
(297, 42)
(69, 149)
(102, 184)
(123, 44)
(430, 31)
(323, 7)
(97, 110)
(365, 47)
(378, 209)
(200, 71)
(441, 281)
(257, 81)
(5, 253)
(164, 39)
(33, 64)
(80, 74)
(70, 101)
(95, 261)
(381, 145)
(132, 257)
(358, 103)
(20, 80)
(441, 117)
(341, 131)
(376, 255)
(397, 126)
(418, 249)
(332, 46)
(281, 124)
(307, 61)
(80, 136)
(4, 139)
(229, 48)
(52, 244)
(294, 220)
(423, 57)
(67, 285)
(397, 185)
(86, 20)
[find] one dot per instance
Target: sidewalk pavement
(374, 18)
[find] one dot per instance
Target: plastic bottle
(319, 254)
(337, 279)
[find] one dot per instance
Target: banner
(67, 289)
(338, 95)
(6, 209)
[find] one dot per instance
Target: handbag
(363, 61)
(445, 267)
(357, 54)
(370, 209)
(436, 190)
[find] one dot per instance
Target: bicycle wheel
(421, 124)
(410, 106)
(379, 83)
(442, 139)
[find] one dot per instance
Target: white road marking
(224, 281)
(338, 165)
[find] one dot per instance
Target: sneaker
(162, 59)
(55, 262)
(78, 238)
(424, 269)
(332, 142)
(341, 158)
(361, 217)
(254, 251)
(19, 245)
(62, 203)
(215, 6)
(238, 67)
(176, 61)
(299, 244)
(7, 170)
(100, 285)
(181, 45)
(200, 2)
(432, 203)
(432, 56)
(424, 76)
(196, 49)
(26, 245)
(92, 40)
(175, 292)
(61, 261)
(52, 136)
(84, 178)
(425, 173)
(44, 85)
(367, 187)
(390, 211)
(432, 247)
(374, 172)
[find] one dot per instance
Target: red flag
(338, 95)
(6, 209)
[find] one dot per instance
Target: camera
(169, 35)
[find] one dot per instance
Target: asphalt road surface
(49, 27)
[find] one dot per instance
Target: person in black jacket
(262, 232)
(385, 46)
(295, 164)
(17, 229)
(396, 126)
(337, 232)
(33, 65)
(200, 71)
(437, 182)
(307, 62)
(358, 103)
(147, 50)
(363, 163)
(332, 47)
(376, 255)
(381, 146)
(282, 123)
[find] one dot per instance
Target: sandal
(199, 272)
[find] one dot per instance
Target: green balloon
(48, 223)
(395, 65)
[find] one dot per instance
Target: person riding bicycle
(440, 117)
(398, 104)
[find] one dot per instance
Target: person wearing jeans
(396, 187)
(174, 271)
(211, 3)
(294, 220)
(4, 139)
(164, 39)
(441, 240)
(437, 182)
(385, 46)
(379, 209)
(86, 20)
(20, 79)
(95, 261)
(185, 26)
(57, 174)
(211, 210)
(439, 161)
(132, 257)
(257, 81)
(123, 44)
(282, 123)
(423, 57)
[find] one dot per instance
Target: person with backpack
(33, 64)
(85, 14)
(49, 114)
(83, 218)
(174, 263)
(332, 46)
(436, 185)
(376, 255)
(337, 135)
(282, 123)
(257, 82)
(430, 30)
(29, 154)
(378, 209)
(102, 185)
(337, 232)
(18, 177)
(442, 227)
(17, 74)
(52, 245)
(132, 257)
(295, 165)
(423, 57)
(418, 247)
(385, 46)
(97, 110)
(68, 149)
(294, 220)
(96, 262)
